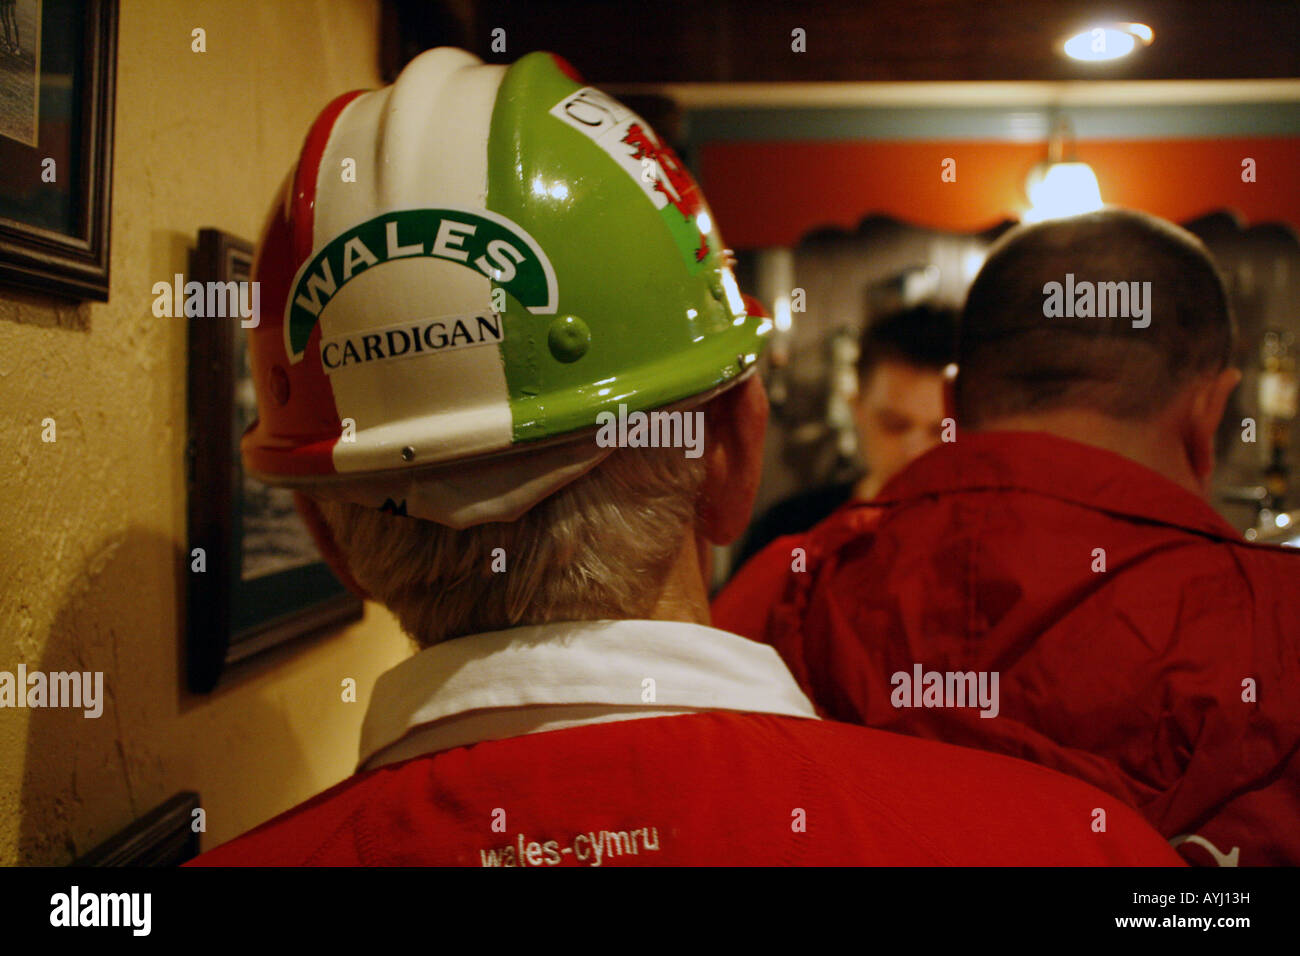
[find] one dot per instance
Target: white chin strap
(498, 490)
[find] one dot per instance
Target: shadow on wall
(43, 311)
(86, 778)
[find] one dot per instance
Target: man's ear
(735, 423)
(1207, 407)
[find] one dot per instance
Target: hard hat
(471, 263)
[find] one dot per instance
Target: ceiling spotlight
(1108, 41)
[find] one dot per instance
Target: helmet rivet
(568, 338)
(742, 361)
(408, 453)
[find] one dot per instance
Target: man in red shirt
(570, 704)
(1062, 554)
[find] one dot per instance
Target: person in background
(569, 703)
(897, 413)
(899, 406)
(1064, 544)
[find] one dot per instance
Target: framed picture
(255, 577)
(57, 76)
(165, 836)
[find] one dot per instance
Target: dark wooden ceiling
(750, 40)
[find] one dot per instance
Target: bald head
(1114, 312)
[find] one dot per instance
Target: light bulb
(1108, 41)
(1057, 190)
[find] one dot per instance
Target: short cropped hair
(600, 547)
(1015, 359)
(922, 335)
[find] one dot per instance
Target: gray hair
(600, 547)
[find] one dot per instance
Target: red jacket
(986, 555)
(710, 788)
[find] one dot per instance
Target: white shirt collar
(545, 677)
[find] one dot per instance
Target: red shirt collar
(1040, 463)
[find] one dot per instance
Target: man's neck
(685, 594)
(1152, 443)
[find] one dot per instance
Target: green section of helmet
(659, 317)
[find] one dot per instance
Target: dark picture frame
(54, 235)
(263, 581)
(163, 837)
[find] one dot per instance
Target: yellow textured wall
(91, 567)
